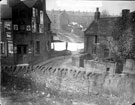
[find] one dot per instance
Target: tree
(124, 37)
(105, 13)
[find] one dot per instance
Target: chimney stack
(44, 5)
(97, 14)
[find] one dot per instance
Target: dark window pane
(2, 48)
(15, 27)
(106, 52)
(96, 39)
(19, 50)
(24, 49)
(7, 25)
(37, 47)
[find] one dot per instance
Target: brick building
(26, 34)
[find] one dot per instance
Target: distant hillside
(83, 18)
(70, 24)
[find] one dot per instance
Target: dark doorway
(22, 54)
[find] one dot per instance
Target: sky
(113, 7)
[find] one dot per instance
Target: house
(103, 32)
(97, 35)
(30, 36)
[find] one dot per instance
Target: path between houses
(60, 62)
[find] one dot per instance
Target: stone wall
(129, 66)
(96, 66)
(85, 82)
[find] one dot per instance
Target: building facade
(97, 36)
(30, 36)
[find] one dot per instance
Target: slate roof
(103, 26)
(13, 2)
(6, 12)
(29, 3)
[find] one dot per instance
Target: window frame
(37, 47)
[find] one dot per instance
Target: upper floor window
(34, 28)
(2, 47)
(22, 27)
(33, 12)
(10, 47)
(41, 17)
(96, 39)
(8, 34)
(7, 25)
(28, 28)
(15, 27)
(36, 12)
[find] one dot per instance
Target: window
(94, 50)
(49, 27)
(7, 26)
(106, 52)
(37, 47)
(15, 27)
(37, 25)
(22, 49)
(41, 30)
(22, 27)
(36, 12)
(33, 12)
(8, 35)
(19, 50)
(41, 17)
(10, 47)
(28, 28)
(48, 45)
(34, 28)
(2, 48)
(96, 39)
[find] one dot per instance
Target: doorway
(22, 54)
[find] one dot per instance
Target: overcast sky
(113, 7)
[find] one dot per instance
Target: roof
(47, 17)
(29, 3)
(13, 2)
(103, 26)
(6, 11)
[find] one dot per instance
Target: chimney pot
(97, 9)
(97, 14)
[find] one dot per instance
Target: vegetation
(124, 37)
